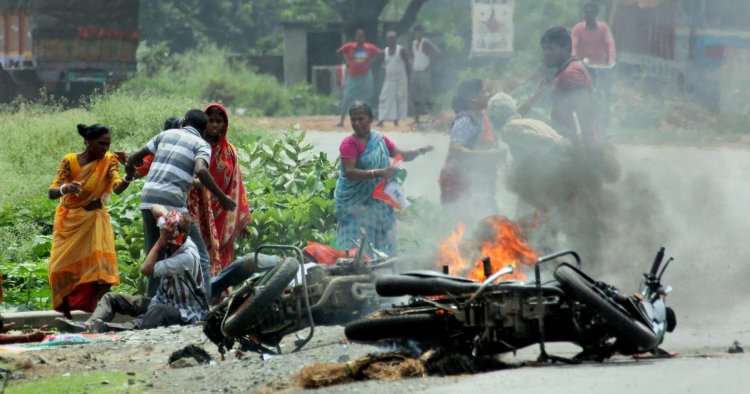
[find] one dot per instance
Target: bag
(391, 190)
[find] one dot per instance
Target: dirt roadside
(146, 353)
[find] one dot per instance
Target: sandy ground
(328, 123)
(697, 204)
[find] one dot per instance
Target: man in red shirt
(358, 55)
(592, 39)
(571, 99)
(594, 45)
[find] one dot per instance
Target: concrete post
(295, 55)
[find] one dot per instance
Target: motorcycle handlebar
(657, 262)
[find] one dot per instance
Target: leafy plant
(290, 191)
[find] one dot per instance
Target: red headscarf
(228, 225)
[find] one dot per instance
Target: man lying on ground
(178, 300)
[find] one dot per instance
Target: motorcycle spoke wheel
(628, 328)
(252, 308)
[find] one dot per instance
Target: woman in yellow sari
(82, 264)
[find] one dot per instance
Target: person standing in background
(394, 100)
(424, 52)
(594, 45)
(358, 55)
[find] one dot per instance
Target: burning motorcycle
(490, 318)
(293, 294)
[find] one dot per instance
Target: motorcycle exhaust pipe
(487, 265)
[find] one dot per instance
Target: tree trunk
(359, 14)
(365, 14)
(410, 16)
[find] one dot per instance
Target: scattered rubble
(735, 348)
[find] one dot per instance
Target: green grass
(99, 382)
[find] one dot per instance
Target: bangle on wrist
(62, 190)
(127, 179)
(372, 173)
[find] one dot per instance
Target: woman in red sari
(219, 227)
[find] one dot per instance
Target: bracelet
(126, 180)
(372, 173)
(62, 190)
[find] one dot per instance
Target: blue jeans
(151, 235)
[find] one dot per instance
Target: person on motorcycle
(178, 300)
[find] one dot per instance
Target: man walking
(572, 106)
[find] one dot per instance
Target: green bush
(207, 74)
(290, 191)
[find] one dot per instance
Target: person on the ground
(594, 45)
(178, 299)
(218, 226)
(83, 262)
(365, 161)
(424, 52)
(179, 155)
(394, 100)
(573, 112)
(468, 177)
(359, 85)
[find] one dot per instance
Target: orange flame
(500, 239)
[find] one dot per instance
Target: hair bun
(82, 129)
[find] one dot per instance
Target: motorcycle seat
(435, 274)
(428, 285)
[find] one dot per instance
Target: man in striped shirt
(177, 299)
(179, 155)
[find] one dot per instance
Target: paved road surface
(699, 199)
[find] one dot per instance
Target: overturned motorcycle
(489, 318)
(294, 294)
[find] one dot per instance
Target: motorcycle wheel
(417, 326)
(633, 331)
(271, 287)
(212, 324)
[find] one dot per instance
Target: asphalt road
(693, 200)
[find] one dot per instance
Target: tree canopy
(251, 26)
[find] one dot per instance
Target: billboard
(492, 27)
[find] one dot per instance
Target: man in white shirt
(424, 52)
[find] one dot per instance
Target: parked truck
(68, 47)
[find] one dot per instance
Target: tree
(365, 14)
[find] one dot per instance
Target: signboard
(492, 27)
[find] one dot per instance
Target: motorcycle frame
(301, 342)
(543, 355)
